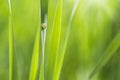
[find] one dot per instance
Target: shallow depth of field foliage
(82, 40)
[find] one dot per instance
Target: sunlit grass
(13, 75)
(35, 56)
(81, 40)
(55, 40)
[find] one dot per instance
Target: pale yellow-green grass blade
(54, 40)
(35, 56)
(10, 43)
(52, 6)
(10, 50)
(36, 51)
(60, 56)
(111, 49)
(13, 75)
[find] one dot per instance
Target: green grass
(81, 41)
(35, 56)
(36, 53)
(109, 52)
(55, 40)
(12, 56)
(10, 43)
(61, 53)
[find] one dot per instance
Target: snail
(43, 26)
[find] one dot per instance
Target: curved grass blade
(60, 56)
(13, 75)
(110, 51)
(55, 40)
(52, 7)
(34, 62)
(36, 51)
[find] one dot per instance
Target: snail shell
(43, 25)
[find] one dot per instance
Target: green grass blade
(10, 50)
(51, 15)
(13, 75)
(41, 77)
(36, 51)
(43, 38)
(61, 54)
(114, 45)
(56, 74)
(43, 34)
(34, 62)
(10, 43)
(55, 40)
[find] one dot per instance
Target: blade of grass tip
(12, 59)
(110, 51)
(59, 60)
(34, 62)
(43, 37)
(54, 40)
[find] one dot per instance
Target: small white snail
(43, 26)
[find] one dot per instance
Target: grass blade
(114, 45)
(13, 75)
(43, 38)
(61, 54)
(52, 6)
(55, 40)
(36, 51)
(34, 62)
(10, 50)
(10, 43)
(41, 77)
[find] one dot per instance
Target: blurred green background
(94, 26)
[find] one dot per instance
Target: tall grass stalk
(10, 42)
(36, 51)
(10, 49)
(55, 39)
(56, 73)
(43, 38)
(12, 58)
(61, 53)
(34, 62)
